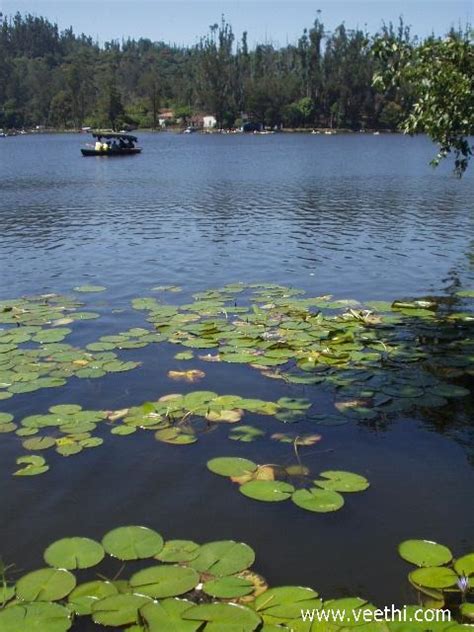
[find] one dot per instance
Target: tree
(441, 76)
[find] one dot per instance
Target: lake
(356, 216)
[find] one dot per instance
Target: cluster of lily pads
(176, 586)
(271, 483)
(380, 357)
(175, 419)
(439, 578)
(33, 354)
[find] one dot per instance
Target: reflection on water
(359, 217)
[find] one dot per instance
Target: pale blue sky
(277, 21)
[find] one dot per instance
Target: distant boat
(112, 144)
(376, 133)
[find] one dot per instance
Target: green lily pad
(223, 558)
(286, 602)
(164, 581)
(35, 617)
(318, 500)
(39, 443)
(132, 543)
(166, 616)
(424, 553)
(118, 610)
(82, 598)
(222, 617)
(465, 565)
(434, 577)
(246, 434)
(65, 409)
(46, 584)
(74, 553)
(34, 465)
(267, 491)
(339, 481)
(228, 587)
(231, 466)
(178, 551)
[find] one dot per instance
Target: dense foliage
(441, 79)
(61, 79)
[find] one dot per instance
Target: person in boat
(98, 145)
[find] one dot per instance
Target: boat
(112, 144)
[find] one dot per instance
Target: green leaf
(286, 602)
(89, 288)
(221, 617)
(465, 565)
(267, 491)
(339, 481)
(231, 466)
(118, 610)
(434, 577)
(318, 500)
(82, 598)
(223, 558)
(46, 584)
(166, 616)
(73, 553)
(178, 551)
(164, 581)
(424, 553)
(35, 617)
(228, 587)
(132, 543)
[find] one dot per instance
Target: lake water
(356, 216)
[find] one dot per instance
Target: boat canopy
(99, 134)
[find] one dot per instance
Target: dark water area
(356, 216)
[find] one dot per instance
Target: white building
(208, 122)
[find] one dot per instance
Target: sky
(271, 21)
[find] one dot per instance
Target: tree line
(325, 79)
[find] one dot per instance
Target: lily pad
(118, 610)
(35, 617)
(221, 617)
(318, 500)
(339, 481)
(89, 288)
(231, 466)
(434, 577)
(166, 616)
(465, 565)
(74, 553)
(228, 587)
(424, 553)
(223, 558)
(46, 584)
(267, 491)
(82, 598)
(164, 581)
(178, 551)
(132, 543)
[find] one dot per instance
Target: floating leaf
(231, 466)
(166, 616)
(164, 581)
(424, 553)
(267, 491)
(222, 617)
(246, 434)
(340, 481)
(434, 577)
(318, 500)
(465, 565)
(287, 602)
(178, 551)
(73, 553)
(223, 558)
(118, 610)
(132, 543)
(82, 598)
(193, 375)
(228, 587)
(46, 584)
(35, 617)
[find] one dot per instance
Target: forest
(64, 80)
